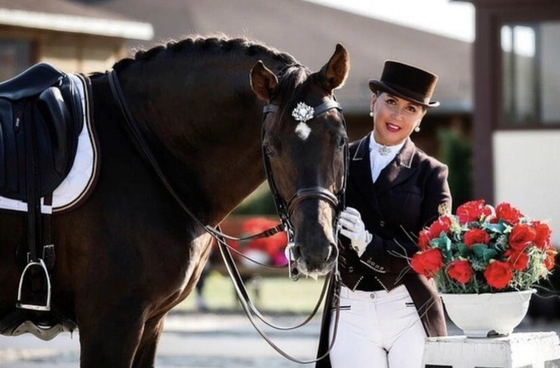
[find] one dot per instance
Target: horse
(182, 130)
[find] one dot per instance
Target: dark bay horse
(130, 253)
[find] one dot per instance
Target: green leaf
(464, 251)
(496, 228)
(482, 252)
(444, 244)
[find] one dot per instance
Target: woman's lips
(392, 128)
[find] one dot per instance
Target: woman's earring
(371, 114)
(417, 129)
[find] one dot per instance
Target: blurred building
(66, 34)
(516, 124)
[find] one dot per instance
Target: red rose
(476, 236)
(550, 259)
(460, 271)
(470, 211)
(498, 274)
(424, 239)
(506, 212)
(517, 260)
(542, 239)
(428, 262)
(522, 236)
(442, 224)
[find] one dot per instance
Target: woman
(394, 189)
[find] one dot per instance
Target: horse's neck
(211, 139)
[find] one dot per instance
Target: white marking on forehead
(303, 130)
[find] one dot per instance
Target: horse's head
(304, 146)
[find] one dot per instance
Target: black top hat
(406, 81)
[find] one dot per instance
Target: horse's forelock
(287, 91)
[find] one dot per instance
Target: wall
(71, 53)
(527, 174)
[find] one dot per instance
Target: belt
(369, 283)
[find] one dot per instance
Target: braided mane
(216, 43)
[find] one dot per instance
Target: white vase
(487, 315)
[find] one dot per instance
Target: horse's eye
(268, 150)
(342, 140)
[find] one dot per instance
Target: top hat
(406, 81)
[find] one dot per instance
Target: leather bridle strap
(325, 106)
(312, 192)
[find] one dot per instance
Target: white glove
(354, 229)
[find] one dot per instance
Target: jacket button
(350, 269)
(381, 223)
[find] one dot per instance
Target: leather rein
(284, 211)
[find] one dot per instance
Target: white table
(518, 350)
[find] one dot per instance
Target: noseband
(286, 209)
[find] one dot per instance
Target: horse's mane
(198, 43)
(291, 74)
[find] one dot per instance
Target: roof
(310, 33)
(66, 16)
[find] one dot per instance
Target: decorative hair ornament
(303, 112)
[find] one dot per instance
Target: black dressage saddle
(40, 121)
(41, 117)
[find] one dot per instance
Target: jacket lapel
(398, 170)
(360, 167)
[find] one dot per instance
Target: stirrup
(33, 306)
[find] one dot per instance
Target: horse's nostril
(296, 250)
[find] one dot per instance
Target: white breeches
(377, 329)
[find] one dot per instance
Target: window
(15, 57)
(531, 74)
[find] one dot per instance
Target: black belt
(369, 283)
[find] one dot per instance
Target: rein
(314, 192)
(139, 138)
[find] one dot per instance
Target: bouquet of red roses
(482, 249)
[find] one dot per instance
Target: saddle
(40, 120)
(41, 117)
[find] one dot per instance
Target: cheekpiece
(303, 112)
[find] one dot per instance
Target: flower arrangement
(482, 249)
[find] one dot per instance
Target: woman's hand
(354, 229)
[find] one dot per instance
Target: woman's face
(394, 118)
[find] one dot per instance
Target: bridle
(286, 208)
(284, 211)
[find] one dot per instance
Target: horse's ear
(263, 81)
(334, 73)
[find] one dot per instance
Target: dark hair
(379, 92)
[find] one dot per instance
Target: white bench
(518, 350)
